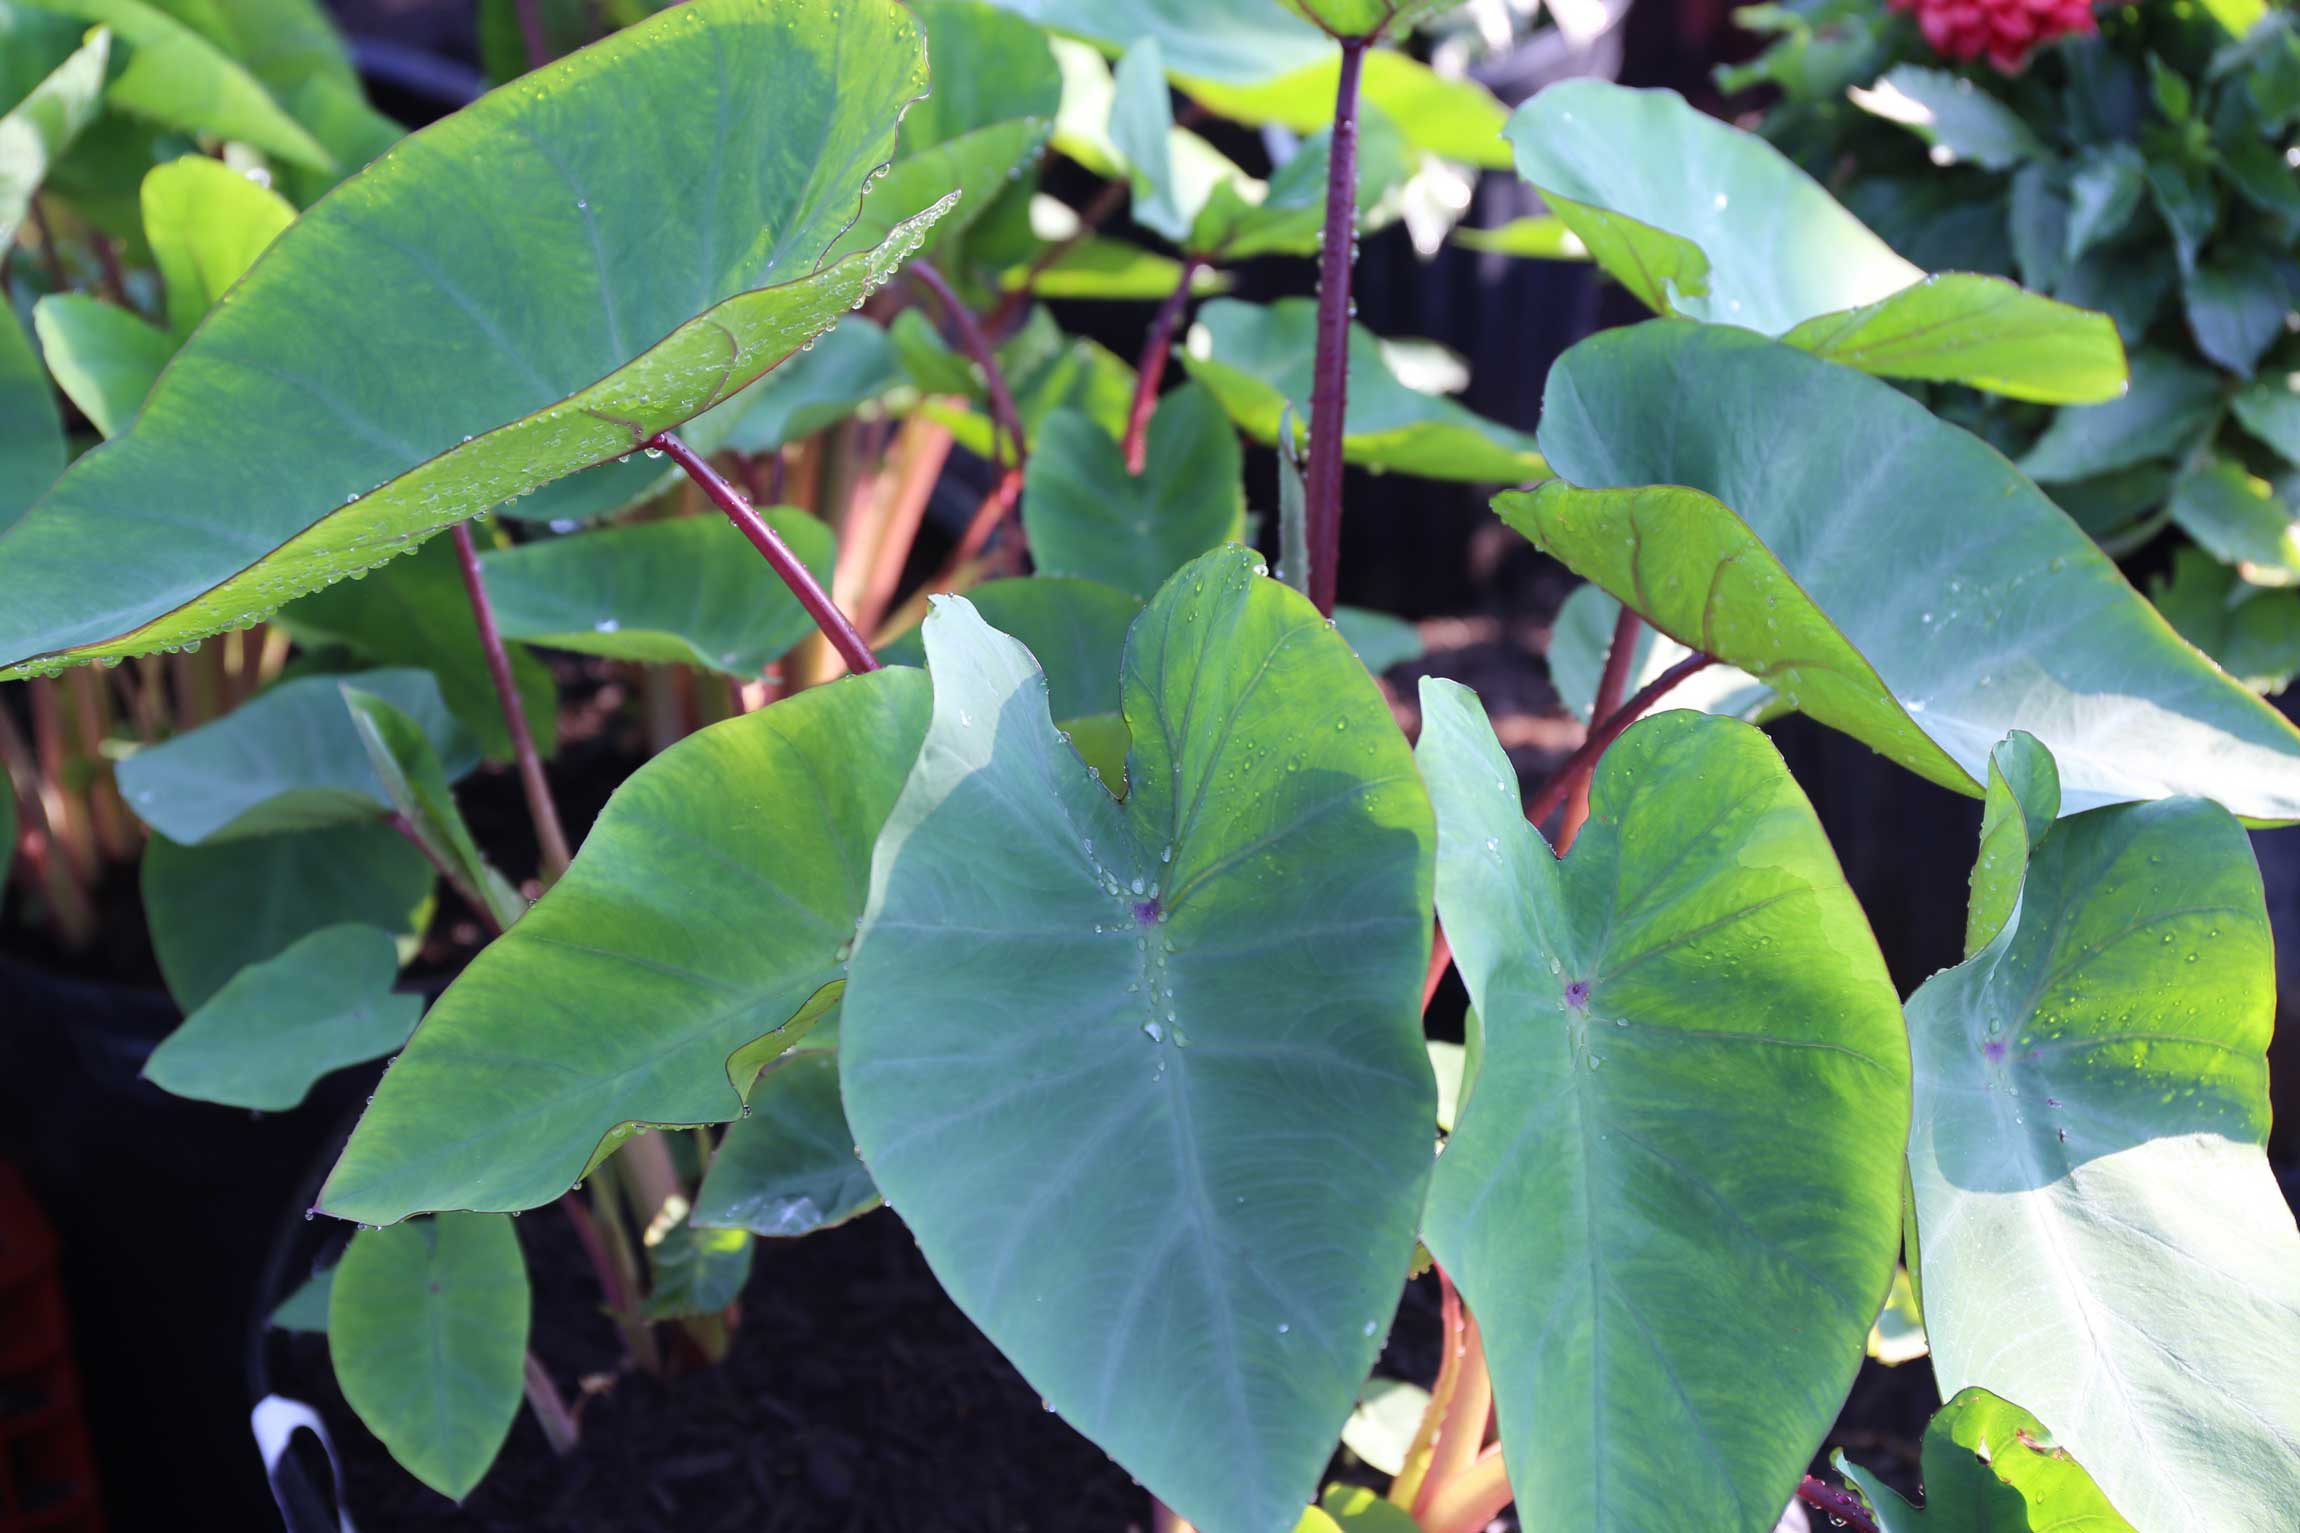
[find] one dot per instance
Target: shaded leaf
(697, 1271)
(2239, 519)
(103, 357)
(280, 1024)
(2104, 192)
(1379, 640)
(1955, 115)
(38, 127)
(1075, 629)
(2254, 635)
(621, 995)
(2023, 799)
(2237, 306)
(788, 1166)
(407, 765)
(1086, 515)
(1173, 1286)
(2270, 410)
(1650, 1002)
(31, 432)
(2169, 407)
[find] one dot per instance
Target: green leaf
(1541, 238)
(207, 224)
(1076, 629)
(415, 784)
(2237, 306)
(1099, 268)
(850, 366)
(176, 78)
(1834, 565)
(2022, 801)
(1047, 371)
(1616, 1204)
(1364, 18)
(686, 592)
(103, 357)
(32, 446)
(990, 66)
(2104, 192)
(2239, 519)
(1455, 119)
(286, 44)
(2169, 408)
(7, 836)
(305, 1310)
(37, 129)
(1087, 515)
(415, 611)
(974, 167)
(1991, 1467)
(279, 1025)
(1582, 637)
(2091, 1102)
(2270, 409)
(1898, 1334)
(788, 1167)
(215, 909)
(288, 759)
(1692, 216)
(1231, 40)
(1379, 640)
(1381, 1430)
(1258, 361)
(1129, 1167)
(427, 1325)
(1952, 113)
(1141, 129)
(2184, 197)
(1355, 1509)
(535, 311)
(697, 1271)
(2253, 635)
(620, 996)
(1241, 218)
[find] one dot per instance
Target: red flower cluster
(2005, 30)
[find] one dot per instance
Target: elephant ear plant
(1081, 901)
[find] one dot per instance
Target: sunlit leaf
(207, 223)
(1991, 1467)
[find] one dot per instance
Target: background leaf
(1076, 629)
(207, 223)
(1991, 1467)
(788, 1166)
(31, 431)
(1087, 515)
(103, 357)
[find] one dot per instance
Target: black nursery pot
(164, 1212)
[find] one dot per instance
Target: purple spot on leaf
(1577, 993)
(1146, 912)
(1994, 1051)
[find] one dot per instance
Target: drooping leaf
(288, 759)
(572, 206)
(427, 1326)
(1652, 1004)
(178, 79)
(1141, 130)
(1130, 1119)
(2023, 800)
(1582, 636)
(36, 129)
(217, 908)
(31, 432)
(2091, 1102)
(2253, 635)
(207, 223)
(1955, 115)
(1695, 217)
(1845, 565)
(788, 1166)
(697, 1271)
(416, 611)
(1075, 629)
(279, 1025)
(2170, 405)
(1087, 516)
(2239, 519)
(1991, 1467)
(103, 357)
(1258, 361)
(688, 591)
(619, 997)
(415, 784)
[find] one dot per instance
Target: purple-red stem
(550, 835)
(531, 28)
(1155, 351)
(977, 344)
(1330, 386)
(748, 522)
(1584, 761)
(1610, 687)
(447, 870)
(1840, 1504)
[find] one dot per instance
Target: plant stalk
(977, 344)
(475, 898)
(1584, 761)
(1470, 1500)
(1610, 688)
(549, 834)
(1330, 388)
(1842, 1505)
(550, 1407)
(1155, 351)
(531, 32)
(811, 595)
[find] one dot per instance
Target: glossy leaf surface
(1848, 565)
(2102, 1237)
(1125, 1069)
(1665, 1012)
(279, 1025)
(427, 1324)
(714, 897)
(653, 315)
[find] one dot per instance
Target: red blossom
(2006, 31)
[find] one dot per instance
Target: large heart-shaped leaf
(1087, 515)
(1126, 1070)
(1698, 218)
(1258, 362)
(590, 289)
(2101, 1236)
(1991, 1467)
(289, 759)
(1887, 573)
(427, 1326)
(713, 899)
(1690, 1046)
(686, 592)
(279, 1025)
